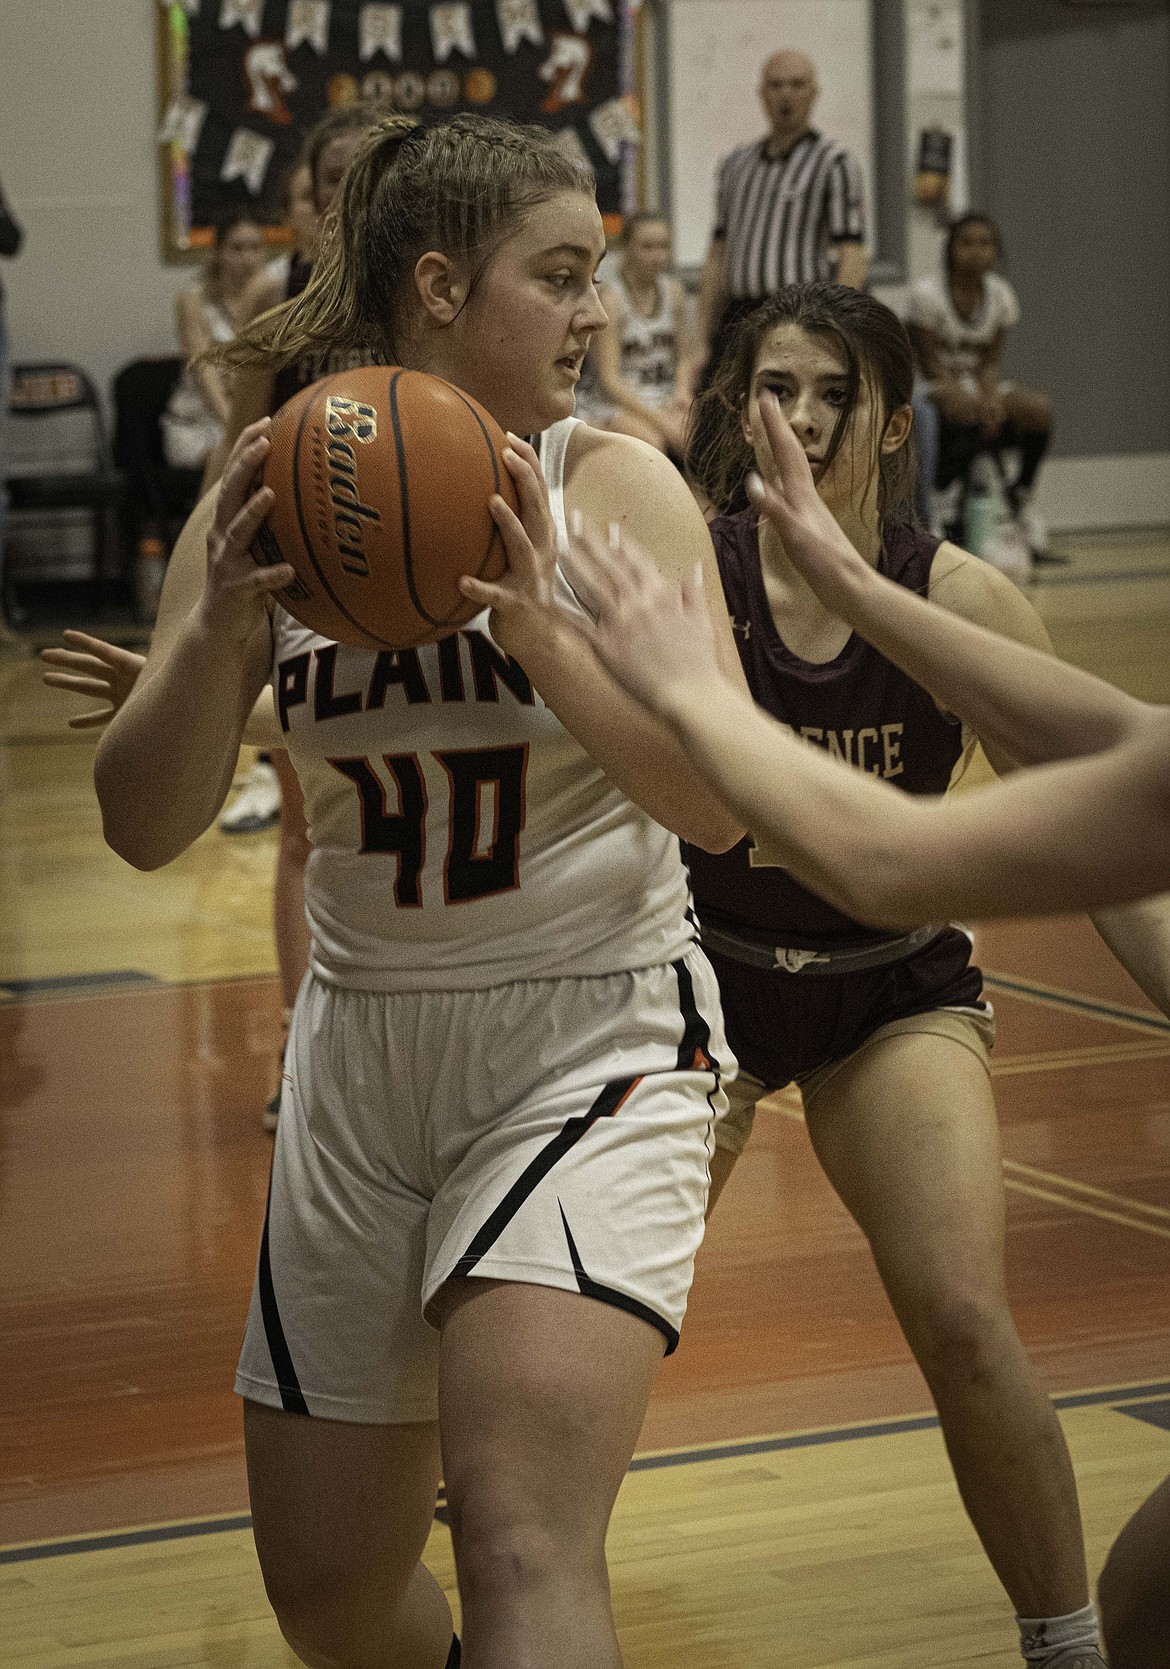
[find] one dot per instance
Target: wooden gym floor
(791, 1502)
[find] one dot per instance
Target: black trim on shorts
(292, 1398)
(606, 1104)
(696, 1043)
(696, 1037)
(590, 1288)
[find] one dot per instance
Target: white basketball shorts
(549, 1131)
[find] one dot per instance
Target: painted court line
(1126, 1219)
(1105, 1054)
(1133, 1215)
(1055, 997)
(1118, 1396)
(1141, 1206)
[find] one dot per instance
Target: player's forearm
(840, 834)
(165, 763)
(637, 750)
(1026, 704)
(1139, 936)
(1080, 832)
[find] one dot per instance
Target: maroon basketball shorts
(793, 1028)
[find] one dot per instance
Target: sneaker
(1007, 551)
(1034, 531)
(257, 805)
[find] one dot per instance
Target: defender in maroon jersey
(886, 1034)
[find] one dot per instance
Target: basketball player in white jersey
(647, 359)
(504, 1067)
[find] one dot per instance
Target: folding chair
(58, 454)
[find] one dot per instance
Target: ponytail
(461, 187)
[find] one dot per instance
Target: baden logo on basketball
(346, 421)
(383, 480)
(351, 418)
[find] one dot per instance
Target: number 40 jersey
(461, 837)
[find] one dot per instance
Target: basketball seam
(308, 543)
(404, 494)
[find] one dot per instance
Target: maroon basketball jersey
(859, 707)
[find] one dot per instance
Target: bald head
(788, 90)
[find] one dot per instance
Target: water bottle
(983, 508)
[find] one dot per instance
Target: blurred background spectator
(210, 310)
(644, 364)
(958, 319)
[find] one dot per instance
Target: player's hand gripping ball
(382, 480)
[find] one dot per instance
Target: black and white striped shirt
(782, 215)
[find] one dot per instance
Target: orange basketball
(382, 480)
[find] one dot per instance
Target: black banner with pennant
(243, 80)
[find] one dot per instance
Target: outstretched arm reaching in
(1035, 708)
(1079, 832)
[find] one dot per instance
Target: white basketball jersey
(461, 837)
(649, 347)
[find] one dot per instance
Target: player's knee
(958, 1335)
(327, 1613)
(1032, 410)
(508, 1546)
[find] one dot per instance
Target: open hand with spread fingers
(813, 541)
(652, 634)
(521, 602)
(91, 666)
(238, 586)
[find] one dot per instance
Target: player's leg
(341, 1513)
(1135, 1588)
(1028, 429)
(338, 1370)
(733, 1131)
(542, 1395)
(906, 1131)
(561, 1247)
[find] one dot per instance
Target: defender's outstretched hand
(91, 666)
(788, 496)
(655, 637)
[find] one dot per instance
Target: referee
(790, 208)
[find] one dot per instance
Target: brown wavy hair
(462, 186)
(873, 343)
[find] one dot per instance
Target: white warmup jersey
(462, 838)
(649, 346)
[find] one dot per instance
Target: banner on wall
(242, 81)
